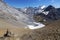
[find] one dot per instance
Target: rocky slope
(13, 20)
(50, 32)
(12, 15)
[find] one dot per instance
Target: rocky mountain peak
(49, 8)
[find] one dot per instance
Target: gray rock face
(12, 15)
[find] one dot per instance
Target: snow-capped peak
(42, 7)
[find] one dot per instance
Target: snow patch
(35, 25)
(43, 7)
(46, 13)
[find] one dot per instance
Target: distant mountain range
(47, 13)
(50, 13)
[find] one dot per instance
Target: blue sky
(32, 3)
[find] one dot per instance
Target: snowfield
(35, 25)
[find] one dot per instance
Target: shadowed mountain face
(50, 7)
(53, 14)
(50, 13)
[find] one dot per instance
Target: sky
(32, 3)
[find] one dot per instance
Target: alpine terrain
(29, 23)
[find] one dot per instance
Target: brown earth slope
(4, 25)
(50, 32)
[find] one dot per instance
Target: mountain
(50, 13)
(50, 7)
(18, 17)
(53, 14)
(13, 20)
(51, 31)
(12, 15)
(42, 13)
(31, 11)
